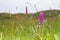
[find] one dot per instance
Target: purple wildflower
(26, 10)
(41, 18)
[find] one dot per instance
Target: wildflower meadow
(43, 25)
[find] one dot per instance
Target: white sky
(6, 5)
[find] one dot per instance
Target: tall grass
(29, 29)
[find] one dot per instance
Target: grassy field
(22, 27)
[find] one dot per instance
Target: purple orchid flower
(26, 10)
(41, 18)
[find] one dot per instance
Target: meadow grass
(30, 29)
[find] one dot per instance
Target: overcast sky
(20, 5)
